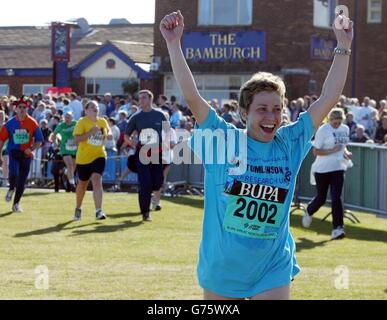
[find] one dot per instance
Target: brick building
(102, 58)
(226, 41)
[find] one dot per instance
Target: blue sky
(42, 12)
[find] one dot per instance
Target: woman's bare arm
(171, 27)
(335, 81)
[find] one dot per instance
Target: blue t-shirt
(246, 245)
(146, 120)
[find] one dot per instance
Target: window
(374, 11)
(110, 64)
(4, 89)
(35, 88)
(312, 87)
(324, 13)
(222, 87)
(98, 86)
(225, 12)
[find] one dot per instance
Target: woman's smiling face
(264, 116)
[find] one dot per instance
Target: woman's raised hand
(172, 26)
(344, 34)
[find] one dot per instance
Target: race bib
(96, 140)
(254, 211)
(70, 145)
(21, 136)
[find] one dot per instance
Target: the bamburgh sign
(223, 46)
(322, 49)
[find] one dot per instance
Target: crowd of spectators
(367, 120)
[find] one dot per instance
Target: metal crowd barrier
(115, 166)
(365, 183)
(182, 179)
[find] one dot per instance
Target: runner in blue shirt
(247, 250)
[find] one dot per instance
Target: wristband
(342, 51)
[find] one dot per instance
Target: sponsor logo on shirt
(256, 191)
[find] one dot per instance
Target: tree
(130, 86)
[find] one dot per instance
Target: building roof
(138, 51)
(132, 32)
(29, 47)
(24, 36)
(38, 57)
(41, 36)
(136, 55)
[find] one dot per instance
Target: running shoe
(16, 208)
(338, 233)
(147, 217)
(100, 215)
(78, 214)
(9, 195)
(306, 220)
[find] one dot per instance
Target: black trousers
(18, 174)
(334, 180)
(150, 178)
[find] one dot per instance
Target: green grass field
(124, 258)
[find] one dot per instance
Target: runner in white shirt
(332, 161)
(169, 140)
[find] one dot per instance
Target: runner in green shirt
(68, 148)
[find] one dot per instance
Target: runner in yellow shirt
(90, 134)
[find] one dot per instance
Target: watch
(342, 51)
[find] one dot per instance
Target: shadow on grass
(305, 244)
(37, 194)
(58, 228)
(98, 229)
(107, 229)
(352, 231)
(185, 201)
(6, 214)
(124, 215)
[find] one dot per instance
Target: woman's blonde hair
(260, 82)
(336, 114)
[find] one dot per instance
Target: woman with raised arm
(247, 250)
